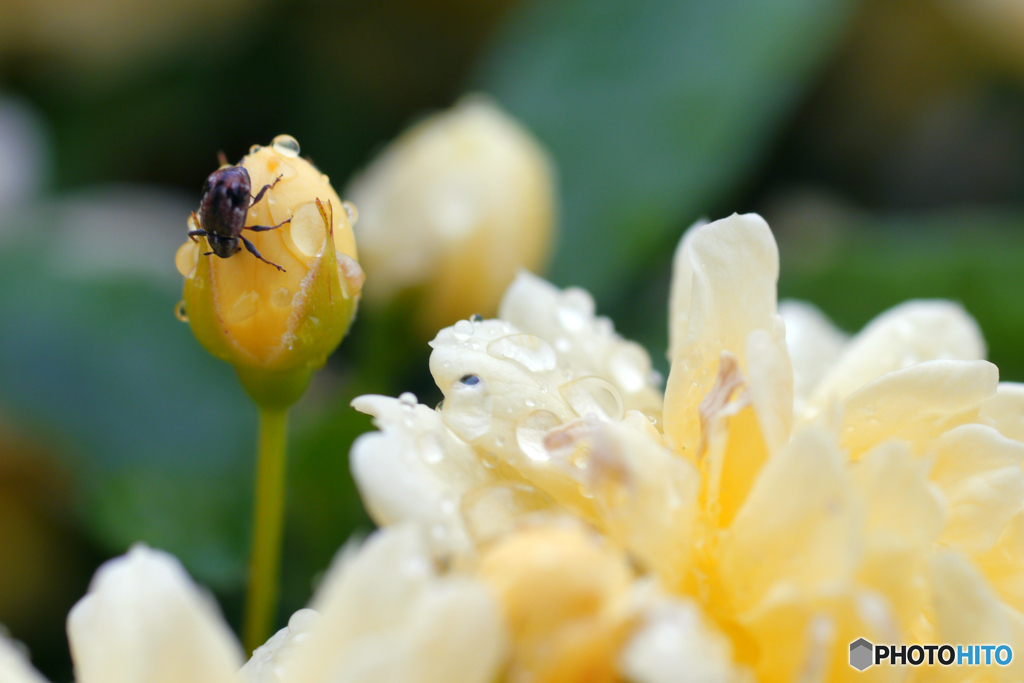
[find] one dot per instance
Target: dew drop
(476, 318)
(408, 399)
(286, 146)
(593, 395)
(440, 406)
(630, 367)
(244, 308)
(463, 330)
(352, 211)
(187, 258)
(489, 459)
(430, 449)
(179, 312)
(307, 231)
(530, 403)
(255, 148)
(281, 298)
(530, 351)
(469, 407)
(869, 410)
(563, 345)
(530, 432)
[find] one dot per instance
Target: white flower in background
(794, 490)
(384, 612)
(452, 209)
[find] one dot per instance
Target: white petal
(415, 469)
(916, 404)
(387, 616)
(735, 267)
(910, 333)
(14, 665)
(584, 343)
(144, 621)
(770, 376)
(1006, 410)
(814, 345)
(676, 644)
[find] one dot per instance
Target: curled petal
(733, 266)
(908, 334)
(1006, 410)
(979, 472)
(916, 404)
(144, 621)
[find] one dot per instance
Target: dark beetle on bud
(222, 211)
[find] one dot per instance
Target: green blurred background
(882, 139)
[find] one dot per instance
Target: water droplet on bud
(286, 146)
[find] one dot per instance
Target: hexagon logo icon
(861, 654)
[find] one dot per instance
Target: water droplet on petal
(489, 459)
(255, 148)
(187, 258)
(430, 449)
(463, 330)
(630, 367)
(179, 312)
(286, 146)
(281, 298)
(244, 308)
(476, 318)
(440, 406)
(869, 410)
(530, 432)
(307, 231)
(468, 407)
(352, 211)
(530, 351)
(408, 399)
(593, 395)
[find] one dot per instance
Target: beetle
(222, 211)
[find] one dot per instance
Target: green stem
(268, 524)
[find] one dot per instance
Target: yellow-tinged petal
(979, 473)
(144, 621)
(561, 590)
(910, 333)
(798, 525)
(916, 404)
(1003, 563)
(967, 611)
(733, 266)
(645, 498)
(1006, 410)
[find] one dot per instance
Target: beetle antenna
(222, 158)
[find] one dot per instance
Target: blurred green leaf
(860, 265)
(653, 110)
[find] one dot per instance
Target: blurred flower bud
(277, 327)
(454, 208)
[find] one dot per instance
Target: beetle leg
(259, 195)
(264, 228)
(252, 250)
(193, 234)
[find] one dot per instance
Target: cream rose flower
(794, 490)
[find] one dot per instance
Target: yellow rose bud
(453, 209)
(276, 326)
